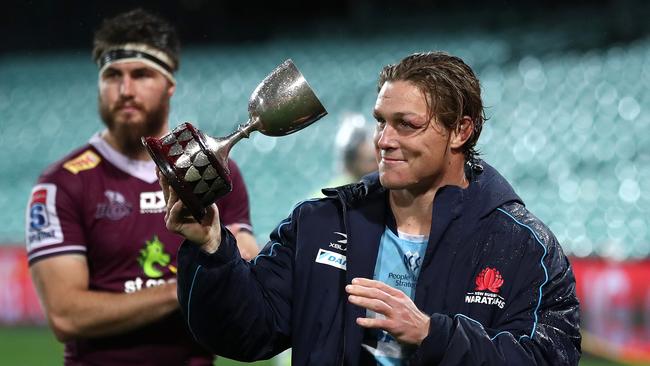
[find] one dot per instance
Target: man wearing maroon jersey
(103, 263)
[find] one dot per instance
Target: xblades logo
(340, 244)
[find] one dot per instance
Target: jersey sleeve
(233, 207)
(53, 223)
(238, 309)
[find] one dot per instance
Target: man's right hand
(178, 219)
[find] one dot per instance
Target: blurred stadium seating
(567, 126)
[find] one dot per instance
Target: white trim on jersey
(144, 170)
(65, 248)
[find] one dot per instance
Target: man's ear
(462, 132)
(171, 90)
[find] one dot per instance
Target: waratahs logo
(489, 279)
(488, 283)
(151, 255)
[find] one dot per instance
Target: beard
(129, 132)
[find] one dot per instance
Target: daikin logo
(331, 259)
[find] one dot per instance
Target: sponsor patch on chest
(152, 202)
(330, 258)
(85, 161)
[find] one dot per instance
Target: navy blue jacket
(494, 280)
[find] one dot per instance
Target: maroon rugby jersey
(101, 204)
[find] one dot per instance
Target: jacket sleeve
(238, 309)
(540, 325)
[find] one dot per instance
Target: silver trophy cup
(196, 165)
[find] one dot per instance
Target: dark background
(40, 25)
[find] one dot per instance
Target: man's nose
(386, 137)
(126, 87)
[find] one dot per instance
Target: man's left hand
(400, 317)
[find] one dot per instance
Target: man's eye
(406, 124)
(142, 74)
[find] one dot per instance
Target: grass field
(37, 347)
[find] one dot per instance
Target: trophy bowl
(196, 165)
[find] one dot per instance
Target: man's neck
(413, 208)
(129, 150)
(129, 144)
(412, 213)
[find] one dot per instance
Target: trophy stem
(222, 150)
(244, 130)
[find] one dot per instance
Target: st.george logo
(153, 255)
(154, 260)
